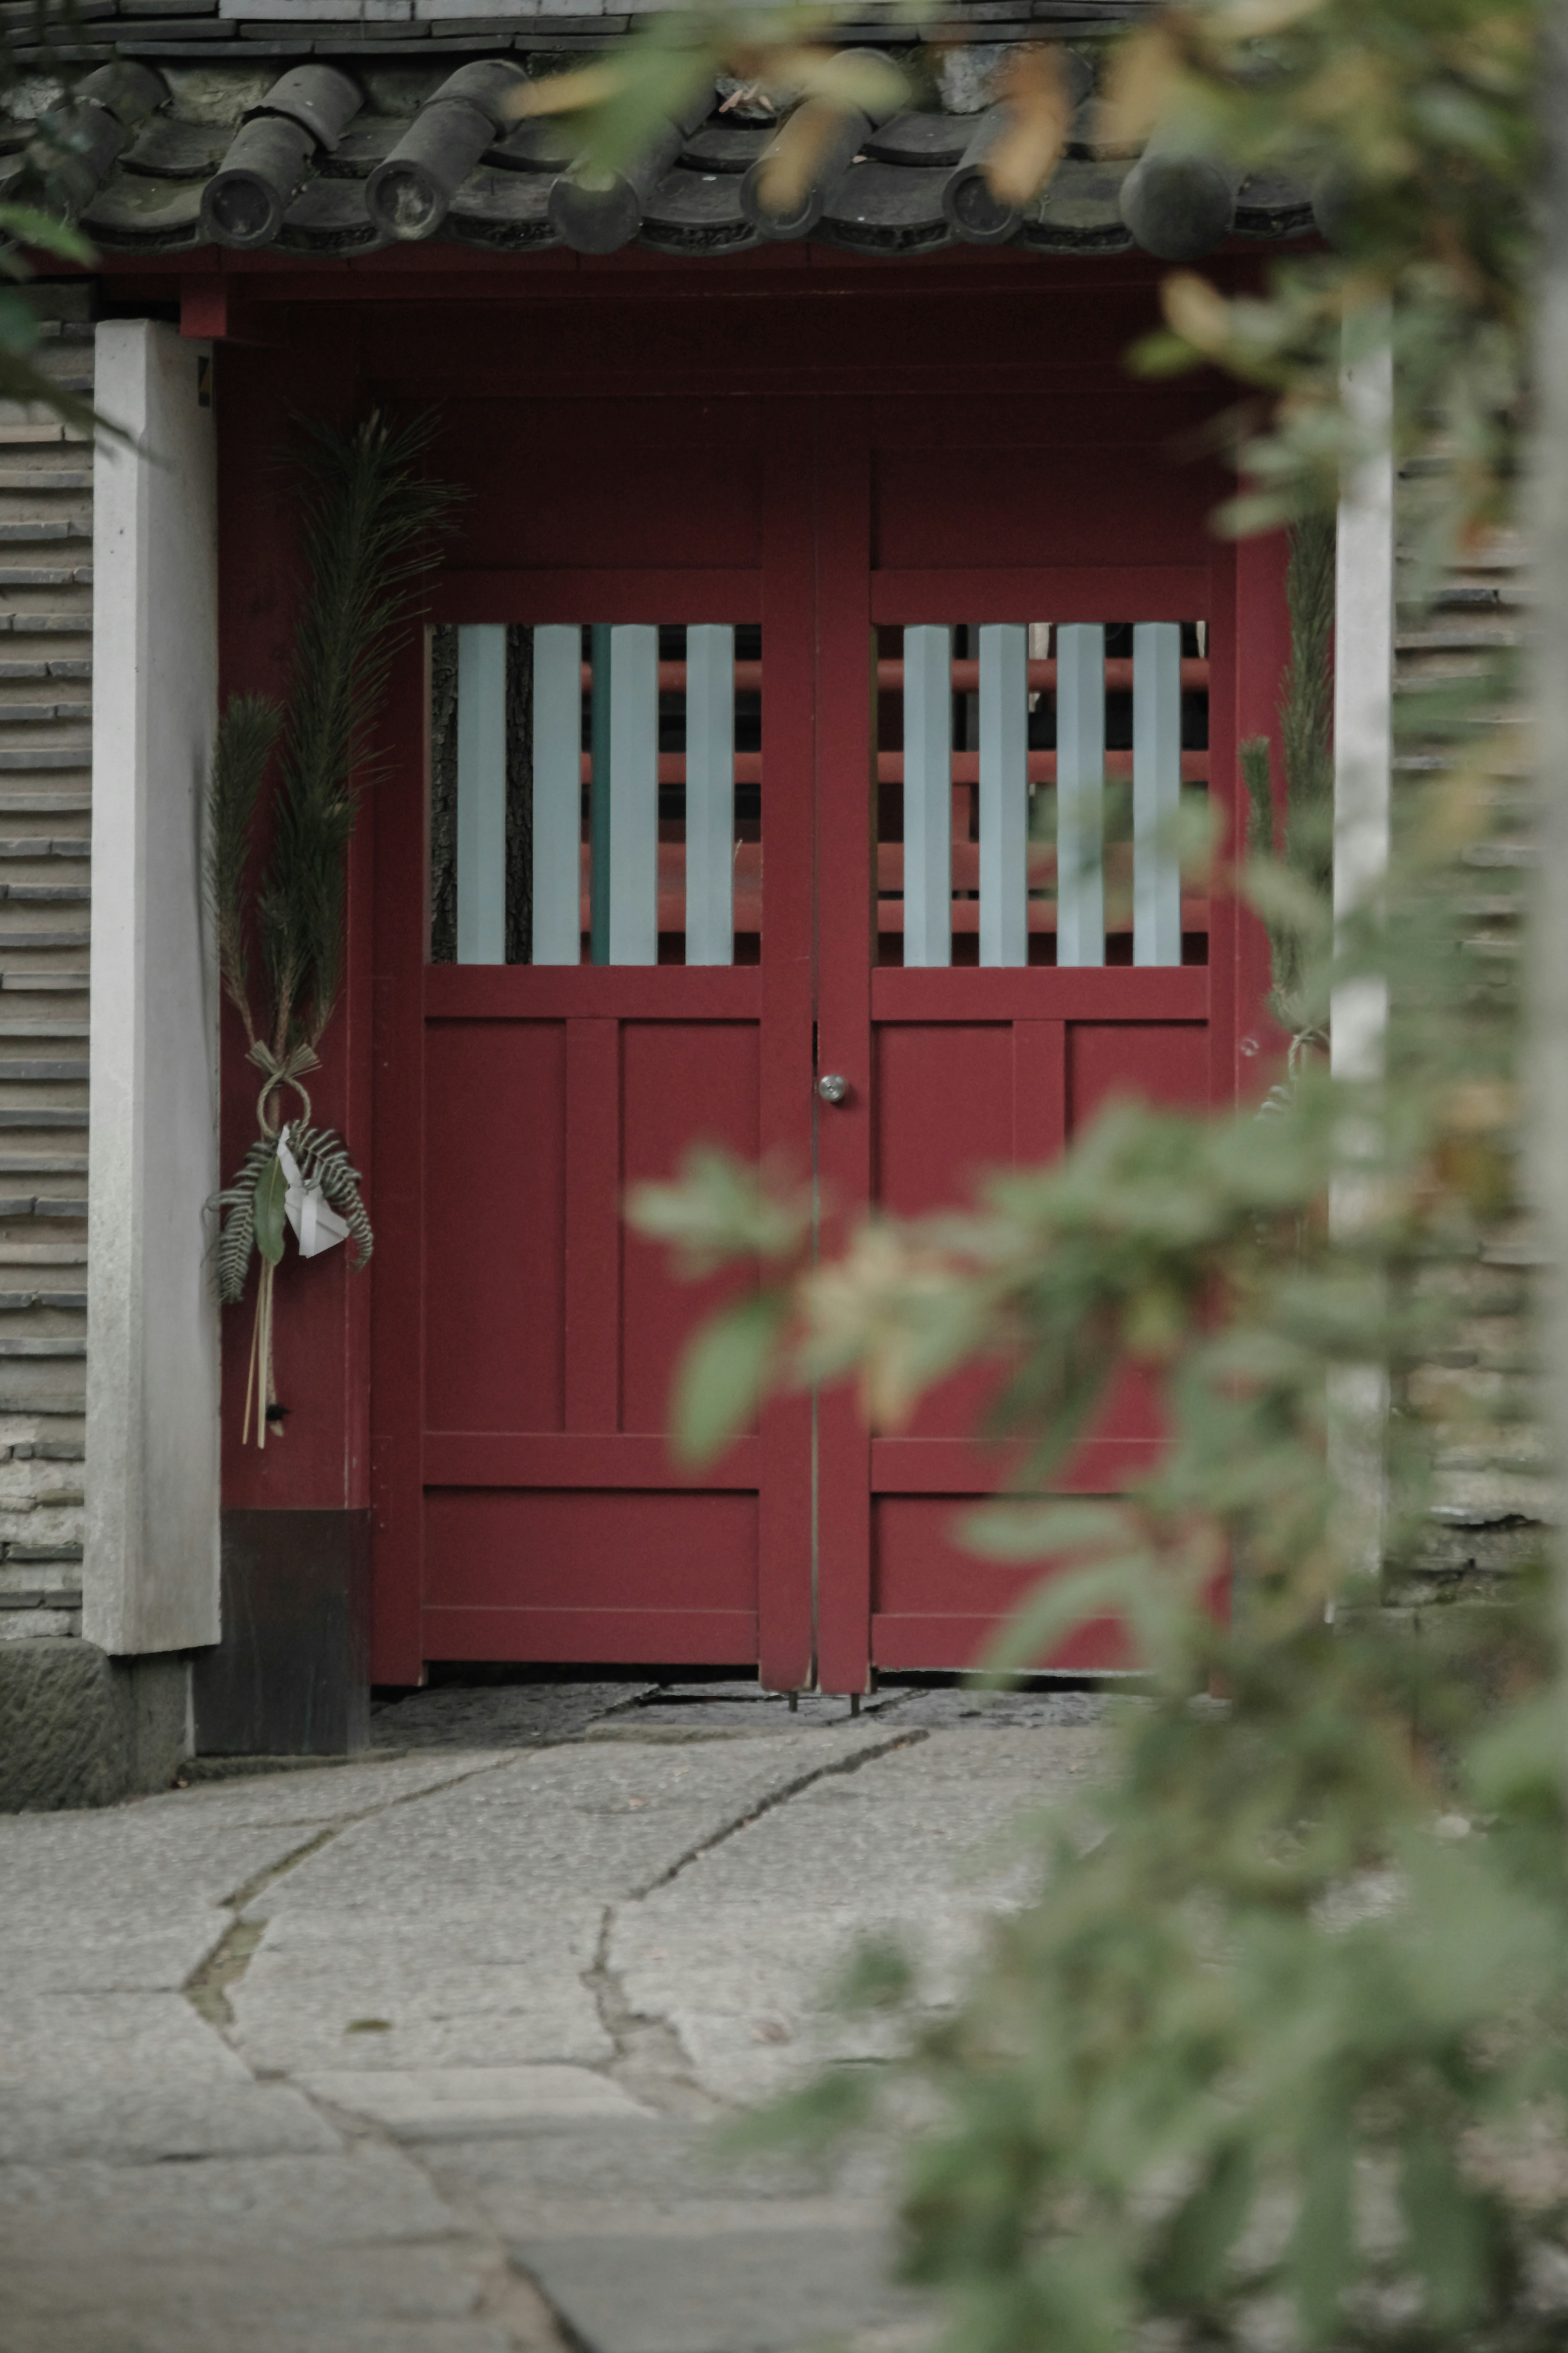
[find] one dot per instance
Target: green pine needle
(372, 531)
(246, 736)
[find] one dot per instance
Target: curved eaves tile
(1077, 212)
(543, 145)
(362, 146)
(913, 139)
(506, 212)
(176, 151)
(885, 208)
(697, 213)
(723, 146)
(138, 215)
(328, 216)
(1271, 206)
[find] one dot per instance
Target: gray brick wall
(1494, 1497)
(46, 688)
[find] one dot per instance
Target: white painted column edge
(1363, 771)
(150, 1570)
(1363, 698)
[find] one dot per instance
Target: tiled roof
(185, 146)
(103, 29)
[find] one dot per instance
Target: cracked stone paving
(425, 2053)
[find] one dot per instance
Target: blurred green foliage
(38, 219)
(1277, 2054)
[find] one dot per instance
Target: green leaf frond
(236, 1240)
(372, 530)
(322, 1159)
(247, 734)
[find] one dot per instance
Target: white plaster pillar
(149, 1572)
(1358, 1011)
(1364, 696)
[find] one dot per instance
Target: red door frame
(819, 594)
(345, 333)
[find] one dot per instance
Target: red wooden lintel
(1106, 592)
(216, 309)
(1041, 993)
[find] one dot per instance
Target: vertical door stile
(710, 794)
(593, 1196)
(599, 796)
(1156, 792)
(1081, 794)
(397, 1138)
(1003, 795)
(482, 792)
(557, 794)
(846, 781)
(786, 1505)
(634, 793)
(928, 796)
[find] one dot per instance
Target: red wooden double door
(892, 654)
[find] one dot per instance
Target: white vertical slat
(557, 794)
(1003, 795)
(710, 793)
(1081, 794)
(1156, 792)
(481, 794)
(634, 793)
(928, 796)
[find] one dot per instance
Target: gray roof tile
(157, 192)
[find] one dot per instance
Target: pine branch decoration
(246, 734)
(372, 530)
(323, 1160)
(238, 1240)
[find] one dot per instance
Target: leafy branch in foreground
(1278, 2053)
(58, 175)
(372, 529)
(1278, 2057)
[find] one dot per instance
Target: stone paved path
(423, 2054)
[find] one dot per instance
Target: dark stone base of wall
(79, 1728)
(291, 1675)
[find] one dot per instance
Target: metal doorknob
(832, 1088)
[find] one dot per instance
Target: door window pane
(1030, 778)
(595, 794)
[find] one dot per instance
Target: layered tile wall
(1495, 1498)
(46, 779)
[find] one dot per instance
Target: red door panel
(935, 1605)
(942, 1109)
(1113, 503)
(1165, 1062)
(630, 485)
(613, 1577)
(680, 1085)
(495, 1224)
